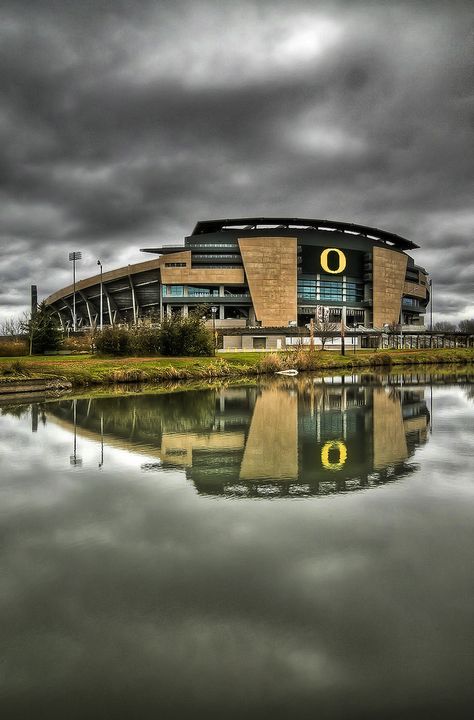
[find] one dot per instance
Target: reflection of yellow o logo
(334, 445)
(340, 256)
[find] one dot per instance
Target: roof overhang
(291, 224)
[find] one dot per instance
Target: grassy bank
(85, 370)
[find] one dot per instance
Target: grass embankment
(86, 370)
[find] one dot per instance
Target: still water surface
(294, 548)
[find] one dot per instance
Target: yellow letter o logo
(334, 445)
(340, 256)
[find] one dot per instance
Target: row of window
(195, 246)
(307, 290)
(213, 256)
(178, 291)
(412, 302)
(354, 316)
(326, 289)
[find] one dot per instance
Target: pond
(294, 547)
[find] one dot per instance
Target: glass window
(330, 288)
(174, 290)
(307, 289)
(202, 291)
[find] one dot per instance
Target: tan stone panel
(270, 266)
(417, 424)
(390, 443)
(389, 268)
(202, 276)
(186, 443)
(414, 289)
(271, 451)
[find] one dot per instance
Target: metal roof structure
(285, 223)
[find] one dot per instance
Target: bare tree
(11, 327)
(392, 329)
(323, 328)
(444, 326)
(467, 326)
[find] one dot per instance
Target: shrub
(78, 343)
(14, 368)
(273, 362)
(307, 359)
(181, 336)
(381, 359)
(113, 341)
(303, 358)
(13, 347)
(177, 336)
(144, 340)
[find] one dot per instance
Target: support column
(86, 301)
(109, 305)
(134, 299)
(109, 308)
(221, 312)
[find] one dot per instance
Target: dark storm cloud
(123, 123)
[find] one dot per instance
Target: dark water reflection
(283, 438)
(205, 552)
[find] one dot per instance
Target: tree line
(444, 326)
(41, 332)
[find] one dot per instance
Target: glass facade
(328, 289)
(203, 291)
(354, 291)
(189, 291)
(174, 290)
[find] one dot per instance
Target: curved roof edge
(212, 226)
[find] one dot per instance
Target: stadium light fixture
(101, 321)
(73, 257)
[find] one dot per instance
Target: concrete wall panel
(270, 266)
(389, 268)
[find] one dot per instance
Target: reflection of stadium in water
(291, 437)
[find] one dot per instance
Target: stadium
(265, 273)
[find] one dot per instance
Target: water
(295, 548)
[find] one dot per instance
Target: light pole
(214, 309)
(431, 304)
(101, 315)
(74, 459)
(73, 256)
(343, 331)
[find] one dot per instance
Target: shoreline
(44, 374)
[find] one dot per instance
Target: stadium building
(263, 273)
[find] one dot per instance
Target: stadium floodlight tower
(73, 256)
(101, 320)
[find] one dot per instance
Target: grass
(86, 370)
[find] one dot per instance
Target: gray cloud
(123, 123)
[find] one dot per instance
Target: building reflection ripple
(283, 437)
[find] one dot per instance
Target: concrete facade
(389, 268)
(270, 266)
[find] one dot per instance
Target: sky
(123, 122)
